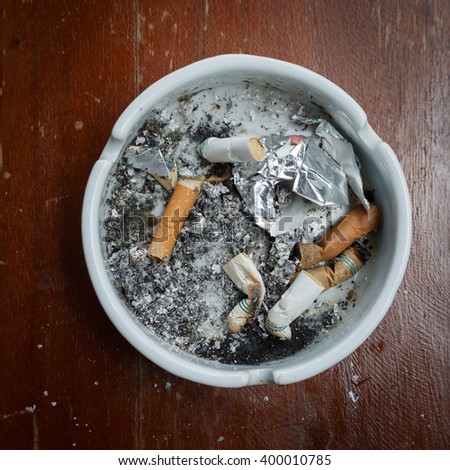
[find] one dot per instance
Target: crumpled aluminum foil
(150, 160)
(318, 169)
(341, 151)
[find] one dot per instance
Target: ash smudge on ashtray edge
(186, 301)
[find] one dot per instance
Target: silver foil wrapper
(319, 169)
(342, 152)
(150, 160)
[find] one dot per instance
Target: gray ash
(208, 129)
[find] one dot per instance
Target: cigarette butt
(175, 214)
(346, 266)
(239, 316)
(232, 149)
(300, 295)
(306, 286)
(353, 226)
(242, 271)
(246, 309)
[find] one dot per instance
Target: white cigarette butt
(246, 277)
(232, 149)
(300, 295)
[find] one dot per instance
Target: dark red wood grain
(67, 377)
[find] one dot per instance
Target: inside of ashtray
(262, 209)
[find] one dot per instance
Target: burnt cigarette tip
(361, 252)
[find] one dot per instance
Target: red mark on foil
(296, 139)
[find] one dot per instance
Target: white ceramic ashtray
(226, 227)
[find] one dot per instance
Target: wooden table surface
(68, 379)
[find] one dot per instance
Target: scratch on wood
(330, 441)
(41, 129)
(55, 200)
(108, 417)
(138, 406)
(141, 19)
(95, 98)
(378, 12)
(111, 26)
(35, 432)
(387, 35)
(439, 20)
(304, 429)
(136, 48)
(205, 27)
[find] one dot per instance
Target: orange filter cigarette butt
(175, 215)
(306, 286)
(353, 226)
(346, 266)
